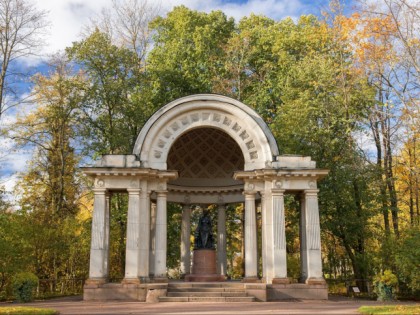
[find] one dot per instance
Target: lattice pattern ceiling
(205, 153)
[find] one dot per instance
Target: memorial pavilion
(205, 150)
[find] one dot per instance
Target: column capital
(161, 193)
(278, 192)
(133, 190)
(99, 191)
(249, 193)
(310, 192)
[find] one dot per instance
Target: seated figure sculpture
(203, 233)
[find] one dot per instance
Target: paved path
(77, 306)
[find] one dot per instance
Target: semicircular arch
(240, 122)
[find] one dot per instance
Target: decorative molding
(247, 140)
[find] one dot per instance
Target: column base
(280, 281)
(315, 281)
(95, 282)
(131, 281)
(251, 280)
(160, 279)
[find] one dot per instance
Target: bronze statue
(203, 233)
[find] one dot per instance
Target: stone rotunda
(202, 150)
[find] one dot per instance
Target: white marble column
(161, 237)
(107, 231)
(263, 237)
(221, 240)
(144, 234)
(98, 248)
(251, 263)
(311, 238)
(279, 237)
(268, 234)
(152, 239)
(132, 252)
(185, 240)
(302, 238)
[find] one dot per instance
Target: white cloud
(68, 17)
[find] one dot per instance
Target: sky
(68, 17)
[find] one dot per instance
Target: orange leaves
(370, 38)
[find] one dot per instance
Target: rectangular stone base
(299, 291)
(147, 292)
(150, 292)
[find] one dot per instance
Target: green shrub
(23, 285)
(385, 285)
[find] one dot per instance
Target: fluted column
(185, 240)
(107, 231)
(152, 239)
(302, 238)
(263, 237)
(251, 264)
(144, 234)
(311, 238)
(221, 240)
(279, 237)
(161, 237)
(98, 267)
(132, 252)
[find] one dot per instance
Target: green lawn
(391, 309)
(27, 310)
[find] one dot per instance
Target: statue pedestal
(204, 267)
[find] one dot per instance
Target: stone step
(206, 299)
(208, 294)
(205, 284)
(201, 289)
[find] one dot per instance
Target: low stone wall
(294, 291)
(146, 292)
(299, 291)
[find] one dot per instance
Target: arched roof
(239, 121)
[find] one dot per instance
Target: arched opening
(205, 157)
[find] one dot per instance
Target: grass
(26, 310)
(390, 309)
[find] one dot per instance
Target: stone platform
(228, 291)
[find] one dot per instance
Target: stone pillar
(279, 237)
(263, 237)
(185, 240)
(251, 263)
(268, 234)
(311, 235)
(132, 253)
(144, 234)
(152, 239)
(98, 248)
(107, 227)
(221, 240)
(160, 238)
(302, 238)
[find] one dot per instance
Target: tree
(22, 26)
(127, 25)
(117, 97)
(51, 190)
(187, 49)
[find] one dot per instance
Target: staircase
(206, 292)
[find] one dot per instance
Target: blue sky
(68, 17)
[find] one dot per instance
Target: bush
(385, 284)
(23, 285)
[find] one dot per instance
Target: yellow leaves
(368, 38)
